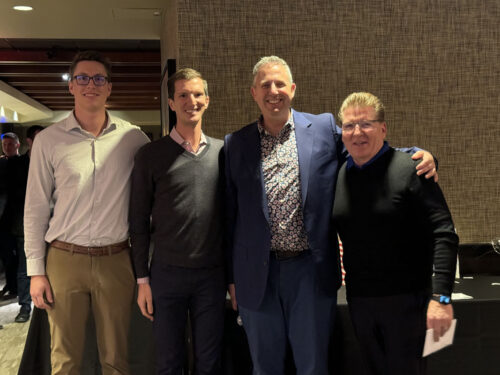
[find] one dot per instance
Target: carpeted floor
(12, 337)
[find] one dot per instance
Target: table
(476, 349)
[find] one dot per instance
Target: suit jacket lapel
(252, 156)
(304, 137)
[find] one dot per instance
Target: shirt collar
(10, 157)
(288, 125)
(72, 123)
(174, 134)
(383, 150)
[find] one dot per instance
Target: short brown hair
(90, 56)
(187, 74)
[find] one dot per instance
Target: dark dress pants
(391, 332)
(294, 310)
(9, 259)
(178, 291)
(23, 280)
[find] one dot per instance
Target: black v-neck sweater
(182, 193)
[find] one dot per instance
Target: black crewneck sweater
(395, 227)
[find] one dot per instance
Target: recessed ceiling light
(23, 8)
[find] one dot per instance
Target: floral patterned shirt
(280, 167)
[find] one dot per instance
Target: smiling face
(273, 92)
(363, 144)
(89, 98)
(189, 101)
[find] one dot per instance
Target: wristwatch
(442, 299)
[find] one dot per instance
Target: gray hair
(11, 136)
(271, 60)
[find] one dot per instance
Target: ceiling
(38, 74)
(36, 49)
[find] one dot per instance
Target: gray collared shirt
(78, 187)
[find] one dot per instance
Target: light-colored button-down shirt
(78, 187)
(280, 167)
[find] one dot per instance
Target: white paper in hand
(432, 346)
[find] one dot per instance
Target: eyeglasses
(84, 80)
(365, 125)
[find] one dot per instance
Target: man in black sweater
(20, 180)
(397, 231)
(9, 210)
(177, 183)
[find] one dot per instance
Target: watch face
(445, 300)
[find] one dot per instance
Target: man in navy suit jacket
(283, 259)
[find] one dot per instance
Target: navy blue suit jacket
(320, 152)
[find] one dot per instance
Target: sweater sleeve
(141, 202)
(445, 240)
(230, 212)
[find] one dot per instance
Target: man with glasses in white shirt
(77, 202)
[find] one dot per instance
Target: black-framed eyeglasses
(365, 125)
(84, 80)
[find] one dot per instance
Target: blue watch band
(445, 300)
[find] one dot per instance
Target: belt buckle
(93, 251)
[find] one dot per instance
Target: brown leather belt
(287, 254)
(95, 251)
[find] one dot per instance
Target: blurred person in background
(8, 212)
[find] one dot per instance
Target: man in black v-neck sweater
(396, 231)
(182, 192)
(176, 204)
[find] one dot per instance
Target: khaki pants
(81, 283)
